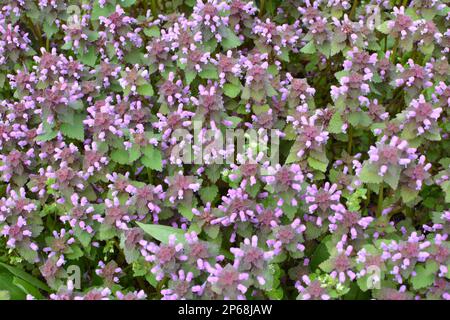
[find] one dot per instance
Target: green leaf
(424, 276)
(47, 136)
(383, 28)
(120, 156)
(212, 231)
(359, 118)
(231, 90)
(316, 164)
(213, 173)
(134, 153)
(320, 254)
(275, 294)
(134, 57)
(190, 76)
(326, 265)
(235, 120)
(446, 188)
(89, 57)
(25, 276)
(392, 177)
(408, 194)
(336, 123)
(284, 54)
(369, 174)
(75, 253)
(27, 288)
(309, 48)
(336, 47)
(208, 194)
(186, 211)
(74, 130)
(50, 28)
(145, 90)
(152, 158)
(4, 295)
(229, 39)
(106, 232)
(126, 3)
(162, 233)
(104, 11)
(209, 72)
(6, 283)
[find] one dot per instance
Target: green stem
(144, 2)
(350, 140)
(368, 198)
(351, 15)
(394, 51)
(262, 5)
(154, 7)
(380, 200)
(149, 176)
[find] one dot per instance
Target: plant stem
(394, 51)
(262, 5)
(154, 7)
(368, 198)
(380, 200)
(350, 140)
(351, 15)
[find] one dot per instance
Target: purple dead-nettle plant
(179, 287)
(200, 252)
(228, 282)
(76, 30)
(79, 215)
(132, 78)
(135, 295)
(310, 134)
(95, 294)
(247, 170)
(209, 102)
(422, 116)
(348, 222)
(181, 188)
(297, 91)
(18, 233)
(288, 238)
(14, 42)
(253, 259)
(116, 215)
(146, 198)
(413, 77)
(284, 179)
(404, 255)
(236, 207)
(266, 218)
(109, 272)
(321, 201)
(341, 263)
(209, 18)
(165, 258)
(387, 160)
(417, 174)
(311, 289)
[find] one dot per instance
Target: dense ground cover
(116, 181)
